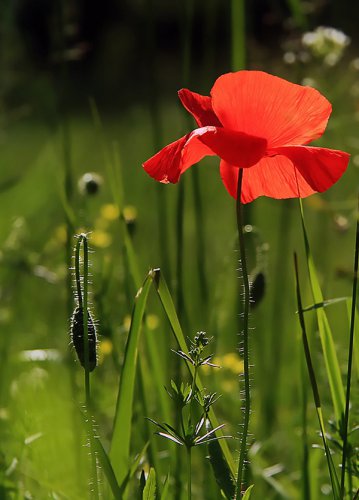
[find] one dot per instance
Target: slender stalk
(245, 338)
(189, 473)
(238, 34)
(350, 359)
(305, 459)
(82, 298)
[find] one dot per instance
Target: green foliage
(44, 450)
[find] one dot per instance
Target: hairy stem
(245, 335)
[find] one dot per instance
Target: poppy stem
(245, 339)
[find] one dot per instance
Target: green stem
(350, 361)
(305, 459)
(82, 297)
(238, 31)
(189, 473)
(245, 337)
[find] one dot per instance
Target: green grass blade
(247, 494)
(134, 467)
(306, 471)
(169, 308)
(314, 385)
(120, 443)
(350, 360)
(149, 491)
(326, 338)
(356, 337)
(107, 469)
(165, 490)
(325, 303)
(220, 469)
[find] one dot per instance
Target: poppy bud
(77, 336)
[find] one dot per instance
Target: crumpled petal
(169, 163)
(200, 107)
(237, 148)
(263, 105)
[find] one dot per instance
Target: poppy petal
(237, 148)
(200, 107)
(275, 177)
(320, 167)
(169, 163)
(267, 106)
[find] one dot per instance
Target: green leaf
(220, 468)
(149, 491)
(130, 473)
(121, 435)
(325, 303)
(326, 338)
(247, 493)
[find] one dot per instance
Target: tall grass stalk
(350, 359)
(313, 382)
(325, 333)
(245, 340)
(305, 458)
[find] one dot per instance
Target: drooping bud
(77, 335)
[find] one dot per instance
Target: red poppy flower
(260, 123)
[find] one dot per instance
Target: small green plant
(193, 431)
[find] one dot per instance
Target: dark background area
(115, 51)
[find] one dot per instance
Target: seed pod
(77, 335)
(257, 289)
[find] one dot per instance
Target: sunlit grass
(44, 439)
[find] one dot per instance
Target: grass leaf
(149, 491)
(121, 435)
(313, 382)
(107, 469)
(326, 338)
(247, 494)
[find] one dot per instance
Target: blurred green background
(60, 61)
